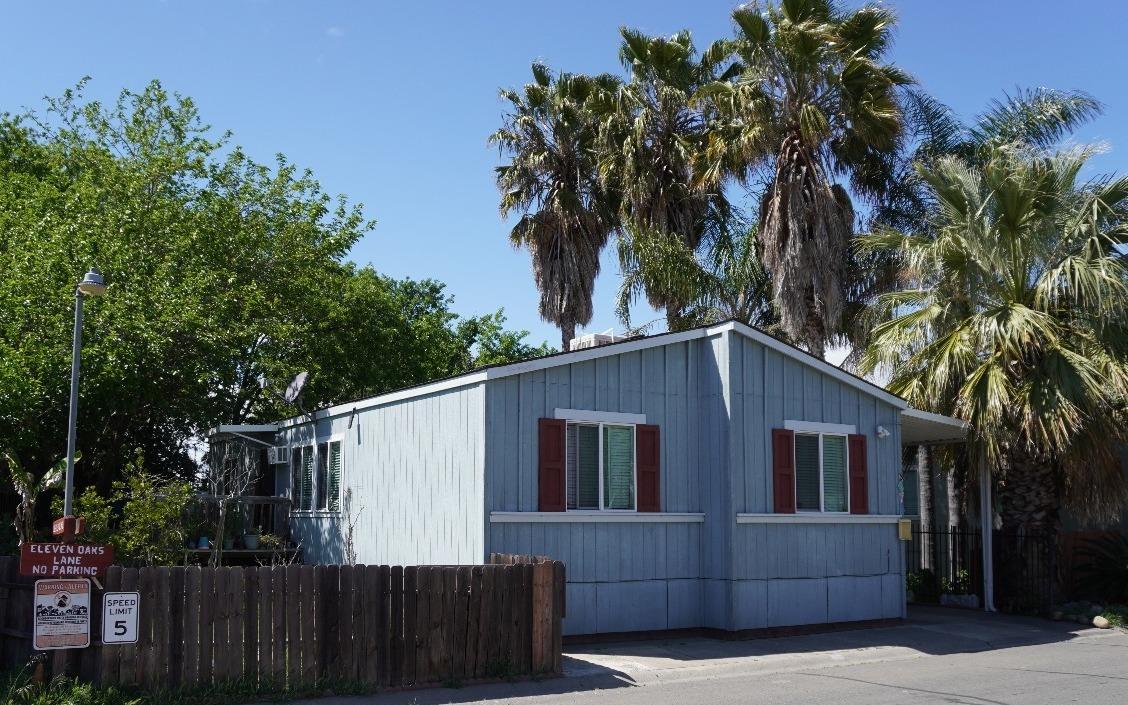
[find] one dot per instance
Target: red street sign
(65, 560)
(68, 526)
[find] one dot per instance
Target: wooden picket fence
(294, 627)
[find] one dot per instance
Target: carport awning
(924, 427)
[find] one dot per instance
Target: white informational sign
(119, 617)
(62, 614)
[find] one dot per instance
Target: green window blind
(334, 485)
(807, 472)
(910, 482)
(618, 467)
(582, 456)
(306, 495)
(296, 477)
(570, 460)
(834, 474)
(322, 474)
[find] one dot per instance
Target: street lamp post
(91, 285)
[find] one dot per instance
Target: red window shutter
(551, 485)
(783, 470)
(647, 453)
(859, 486)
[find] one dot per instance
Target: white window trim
(611, 417)
(834, 429)
(634, 455)
(817, 518)
(822, 479)
(595, 516)
(314, 443)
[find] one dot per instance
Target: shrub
(146, 518)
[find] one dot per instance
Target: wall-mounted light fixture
(882, 432)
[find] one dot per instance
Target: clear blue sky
(391, 103)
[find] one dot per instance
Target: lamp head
(92, 284)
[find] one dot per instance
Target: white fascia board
(467, 380)
(598, 416)
(934, 418)
(596, 517)
(586, 354)
(244, 428)
(817, 518)
(812, 361)
(842, 429)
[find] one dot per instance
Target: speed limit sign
(119, 617)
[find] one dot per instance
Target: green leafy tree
(812, 100)
(145, 518)
(1012, 316)
(222, 273)
(567, 214)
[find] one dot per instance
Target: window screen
(334, 485)
(583, 466)
(618, 467)
(322, 474)
(834, 473)
(807, 472)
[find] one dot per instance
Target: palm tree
(567, 216)
(812, 101)
(1013, 315)
(652, 138)
(726, 281)
(1038, 118)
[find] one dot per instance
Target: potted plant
(251, 538)
(231, 528)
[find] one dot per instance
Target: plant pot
(204, 542)
(228, 544)
(251, 541)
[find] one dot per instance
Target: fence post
(544, 589)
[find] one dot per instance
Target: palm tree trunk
(924, 479)
(567, 332)
(1028, 505)
(955, 503)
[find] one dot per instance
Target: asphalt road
(941, 657)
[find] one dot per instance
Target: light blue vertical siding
(716, 400)
(426, 472)
(825, 566)
(621, 576)
(415, 469)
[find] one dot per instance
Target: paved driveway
(938, 656)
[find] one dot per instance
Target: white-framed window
(600, 463)
(315, 476)
(601, 466)
(822, 473)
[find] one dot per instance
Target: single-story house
(712, 478)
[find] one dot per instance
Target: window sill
(314, 514)
(595, 517)
(817, 518)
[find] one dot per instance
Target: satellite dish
(294, 389)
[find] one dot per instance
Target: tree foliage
(1012, 316)
(222, 272)
(567, 212)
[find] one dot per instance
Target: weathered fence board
(298, 626)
